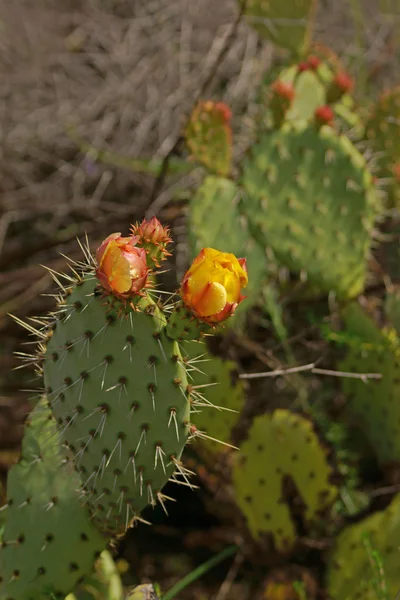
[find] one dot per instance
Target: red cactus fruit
(324, 115)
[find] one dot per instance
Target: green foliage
(208, 136)
(365, 560)
(117, 387)
(287, 24)
(300, 183)
(373, 405)
(49, 541)
(282, 455)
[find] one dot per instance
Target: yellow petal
(211, 300)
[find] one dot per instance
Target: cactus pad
(49, 542)
(282, 448)
(208, 136)
(118, 390)
(320, 226)
(373, 405)
(350, 573)
(215, 222)
(222, 392)
(382, 131)
(287, 24)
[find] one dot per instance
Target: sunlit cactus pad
(118, 389)
(310, 198)
(373, 405)
(49, 541)
(286, 24)
(208, 136)
(351, 573)
(282, 455)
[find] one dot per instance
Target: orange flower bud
(211, 288)
(152, 231)
(122, 268)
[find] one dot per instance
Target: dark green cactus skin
(281, 445)
(350, 574)
(118, 390)
(49, 541)
(309, 197)
(373, 406)
(285, 24)
(104, 584)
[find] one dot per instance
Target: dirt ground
(121, 74)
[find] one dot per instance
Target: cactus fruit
(373, 406)
(215, 221)
(286, 24)
(282, 455)
(49, 541)
(351, 574)
(382, 132)
(208, 136)
(217, 376)
(310, 198)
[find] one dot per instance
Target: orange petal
(116, 268)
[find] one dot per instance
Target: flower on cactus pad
(211, 288)
(121, 266)
(324, 115)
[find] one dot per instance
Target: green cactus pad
(373, 405)
(281, 445)
(382, 131)
(208, 136)
(287, 24)
(221, 391)
(216, 223)
(49, 542)
(350, 572)
(104, 584)
(309, 197)
(118, 390)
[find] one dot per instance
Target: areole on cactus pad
(117, 387)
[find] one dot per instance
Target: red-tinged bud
(121, 266)
(324, 115)
(344, 82)
(284, 90)
(154, 238)
(303, 66)
(313, 62)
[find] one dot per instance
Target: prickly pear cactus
(216, 222)
(382, 132)
(309, 197)
(373, 404)
(208, 136)
(281, 461)
(49, 542)
(216, 378)
(287, 24)
(118, 389)
(104, 584)
(143, 592)
(350, 573)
